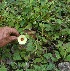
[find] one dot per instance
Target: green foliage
(50, 20)
(3, 68)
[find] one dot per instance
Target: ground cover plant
(46, 24)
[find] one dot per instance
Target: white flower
(22, 39)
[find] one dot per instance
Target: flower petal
(22, 41)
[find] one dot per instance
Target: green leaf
(57, 55)
(42, 2)
(3, 68)
(67, 46)
(30, 70)
(17, 26)
(29, 26)
(48, 55)
(44, 39)
(37, 60)
(30, 45)
(37, 68)
(63, 52)
(59, 21)
(36, 9)
(31, 1)
(55, 36)
(19, 70)
(68, 1)
(22, 23)
(60, 43)
(16, 56)
(50, 66)
(67, 58)
(48, 27)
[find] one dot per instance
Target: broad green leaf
(59, 21)
(50, 66)
(67, 58)
(68, 1)
(48, 55)
(3, 68)
(60, 43)
(36, 9)
(22, 23)
(57, 55)
(30, 45)
(56, 36)
(48, 27)
(29, 26)
(67, 46)
(31, 1)
(44, 39)
(17, 26)
(37, 60)
(16, 56)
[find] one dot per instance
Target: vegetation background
(46, 24)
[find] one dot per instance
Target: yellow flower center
(22, 39)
